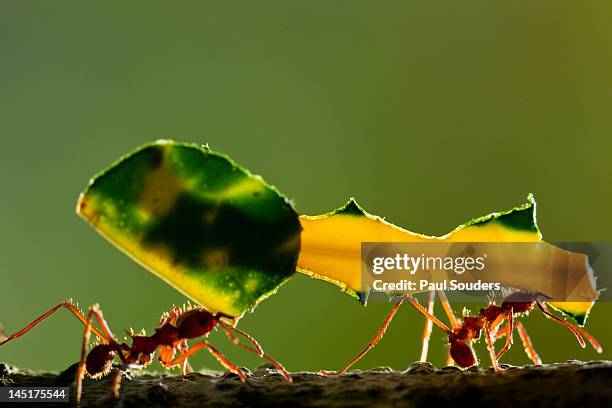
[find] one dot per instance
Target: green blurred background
(430, 114)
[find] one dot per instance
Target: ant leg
(257, 350)
(118, 376)
(510, 329)
(575, 329)
(116, 383)
(166, 354)
(185, 366)
(489, 339)
(525, 339)
(224, 361)
(250, 338)
(428, 315)
(428, 327)
(67, 304)
(529, 349)
(80, 374)
(448, 310)
(383, 328)
(370, 345)
(183, 348)
(102, 322)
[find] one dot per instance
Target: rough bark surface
(570, 384)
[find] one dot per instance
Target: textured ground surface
(570, 384)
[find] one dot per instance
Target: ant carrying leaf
(205, 225)
(227, 240)
(169, 340)
(331, 247)
(462, 333)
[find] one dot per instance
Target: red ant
(489, 320)
(170, 338)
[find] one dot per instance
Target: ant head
(196, 323)
(519, 297)
(462, 353)
(99, 360)
(520, 302)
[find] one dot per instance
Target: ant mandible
(489, 320)
(170, 337)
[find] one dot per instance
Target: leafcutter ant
(176, 327)
(489, 320)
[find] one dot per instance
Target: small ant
(489, 320)
(170, 337)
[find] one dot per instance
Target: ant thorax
(490, 313)
(167, 335)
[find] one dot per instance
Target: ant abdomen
(462, 353)
(99, 360)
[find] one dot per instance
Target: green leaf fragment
(198, 220)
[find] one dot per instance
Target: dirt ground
(570, 384)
